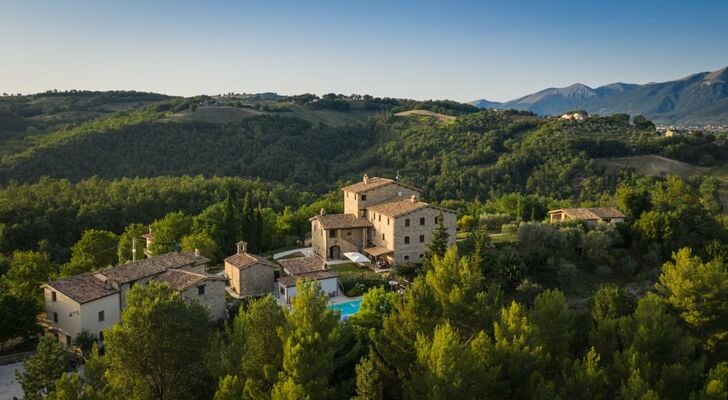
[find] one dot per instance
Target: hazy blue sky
(418, 49)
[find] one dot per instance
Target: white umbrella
(357, 257)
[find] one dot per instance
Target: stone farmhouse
(590, 215)
(250, 275)
(311, 268)
(383, 219)
(94, 302)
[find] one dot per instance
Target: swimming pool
(347, 309)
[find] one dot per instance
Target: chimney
(322, 211)
(242, 247)
(366, 178)
(150, 229)
(197, 252)
(413, 198)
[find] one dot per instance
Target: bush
(493, 222)
(354, 287)
(509, 228)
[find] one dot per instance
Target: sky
(459, 50)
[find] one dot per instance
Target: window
(55, 317)
(283, 291)
(101, 336)
(380, 217)
(387, 220)
(53, 296)
(348, 232)
(201, 290)
(406, 240)
(355, 196)
(68, 340)
(406, 222)
(435, 220)
(421, 255)
(347, 195)
(101, 315)
(332, 233)
(382, 236)
(422, 221)
(406, 258)
(363, 197)
(422, 238)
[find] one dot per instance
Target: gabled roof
(303, 265)
(290, 281)
(151, 266)
(401, 207)
(341, 221)
(82, 288)
(244, 260)
(180, 280)
(371, 183)
(590, 213)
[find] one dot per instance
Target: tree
(43, 368)
(169, 231)
(203, 242)
(262, 356)
(459, 288)
(309, 345)
(716, 383)
(438, 244)
(28, 271)
(18, 316)
(157, 351)
(446, 368)
(95, 250)
(71, 387)
(368, 380)
(610, 301)
(230, 224)
(84, 341)
(229, 388)
(586, 379)
(552, 324)
(131, 233)
(375, 304)
(699, 293)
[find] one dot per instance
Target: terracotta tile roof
(341, 221)
(590, 214)
(395, 208)
(180, 280)
(151, 266)
(290, 281)
(303, 265)
(607, 212)
(245, 260)
(371, 183)
(82, 288)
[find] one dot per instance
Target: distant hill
(697, 99)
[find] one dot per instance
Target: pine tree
(368, 379)
(309, 345)
(229, 388)
(230, 224)
(438, 244)
(247, 223)
(43, 368)
(259, 229)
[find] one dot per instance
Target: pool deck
(343, 299)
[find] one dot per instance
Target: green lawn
(504, 238)
(351, 270)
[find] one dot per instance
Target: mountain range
(697, 99)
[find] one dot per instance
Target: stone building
(589, 215)
(93, 302)
(382, 218)
(312, 268)
(250, 275)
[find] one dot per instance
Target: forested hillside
(518, 309)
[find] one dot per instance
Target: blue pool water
(347, 309)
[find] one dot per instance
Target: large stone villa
(382, 218)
